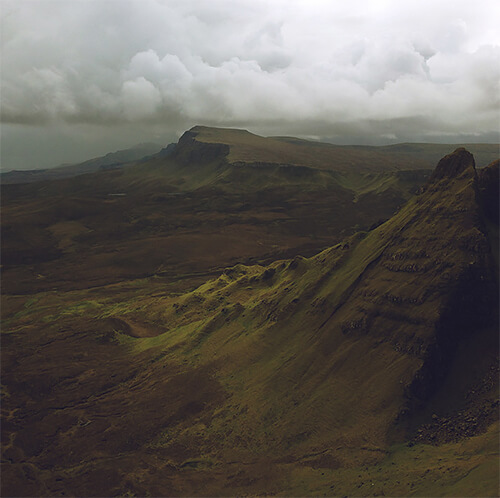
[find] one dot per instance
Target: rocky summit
(454, 164)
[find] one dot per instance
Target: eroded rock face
(488, 183)
(190, 150)
(453, 165)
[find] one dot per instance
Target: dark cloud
(348, 70)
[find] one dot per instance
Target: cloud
(141, 99)
(310, 66)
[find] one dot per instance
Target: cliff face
(420, 285)
(452, 213)
(488, 182)
(422, 280)
(190, 151)
(453, 165)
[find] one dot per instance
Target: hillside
(185, 212)
(484, 154)
(111, 160)
(272, 156)
(244, 147)
(370, 368)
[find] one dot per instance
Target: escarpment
(189, 150)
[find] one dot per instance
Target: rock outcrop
(190, 151)
(454, 164)
(488, 183)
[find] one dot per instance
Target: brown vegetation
(366, 369)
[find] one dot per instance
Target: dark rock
(190, 150)
(268, 274)
(488, 186)
(453, 165)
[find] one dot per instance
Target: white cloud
(326, 66)
(141, 99)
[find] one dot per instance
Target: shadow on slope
(190, 212)
(300, 377)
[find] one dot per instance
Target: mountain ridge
(246, 148)
(346, 290)
(304, 376)
(239, 147)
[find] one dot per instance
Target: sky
(80, 78)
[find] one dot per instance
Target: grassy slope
(285, 405)
(390, 299)
(171, 216)
(246, 147)
(303, 403)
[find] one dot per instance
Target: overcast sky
(84, 77)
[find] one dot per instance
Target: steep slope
(302, 377)
(403, 297)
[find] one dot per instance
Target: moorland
(240, 315)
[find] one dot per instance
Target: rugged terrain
(369, 368)
(244, 147)
(191, 211)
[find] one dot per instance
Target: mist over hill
(110, 160)
(247, 148)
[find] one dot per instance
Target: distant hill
(271, 155)
(237, 160)
(484, 154)
(221, 196)
(110, 160)
(244, 147)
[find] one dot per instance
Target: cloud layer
(382, 70)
